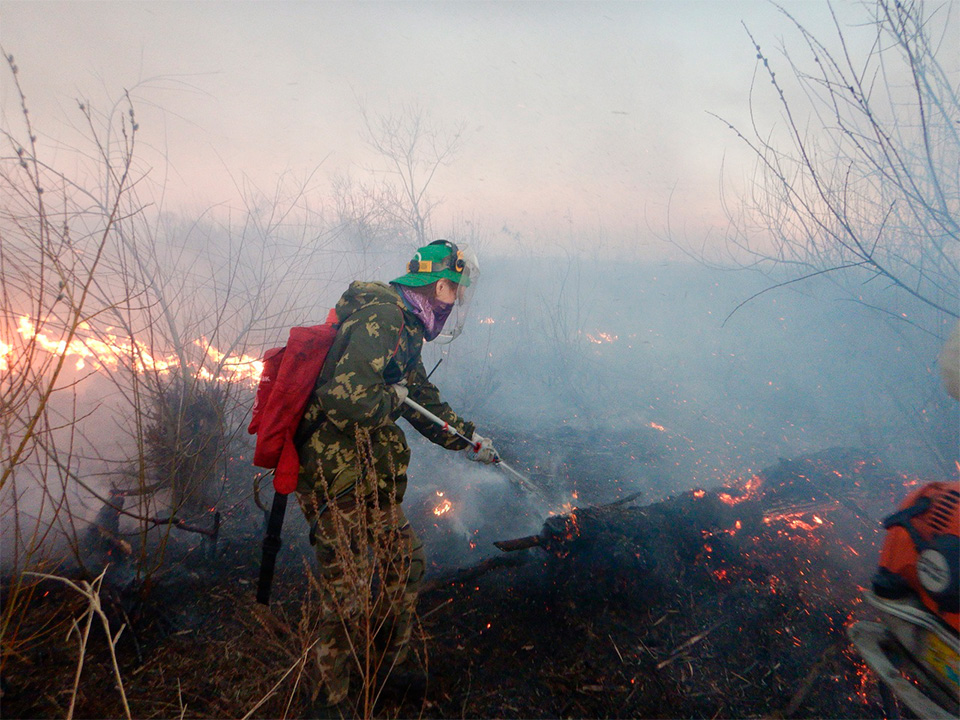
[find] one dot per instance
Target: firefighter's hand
(482, 450)
(401, 392)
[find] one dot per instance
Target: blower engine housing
(921, 552)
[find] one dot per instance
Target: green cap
(439, 259)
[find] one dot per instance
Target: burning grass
(693, 606)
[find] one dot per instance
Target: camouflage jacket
(378, 344)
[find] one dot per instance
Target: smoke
(477, 505)
(598, 378)
(601, 378)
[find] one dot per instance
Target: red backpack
(288, 378)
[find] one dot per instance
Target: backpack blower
(288, 378)
(915, 651)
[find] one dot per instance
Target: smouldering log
(519, 543)
(558, 530)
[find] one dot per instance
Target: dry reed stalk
(91, 591)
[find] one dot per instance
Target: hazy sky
(584, 113)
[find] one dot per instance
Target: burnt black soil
(724, 602)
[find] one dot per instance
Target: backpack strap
(403, 326)
(303, 434)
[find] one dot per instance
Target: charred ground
(729, 601)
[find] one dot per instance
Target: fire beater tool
(519, 478)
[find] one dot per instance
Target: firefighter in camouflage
(354, 457)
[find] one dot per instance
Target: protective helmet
(439, 259)
(444, 259)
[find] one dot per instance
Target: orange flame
(750, 489)
(795, 521)
(444, 507)
(4, 351)
(108, 350)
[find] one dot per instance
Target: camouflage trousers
(370, 567)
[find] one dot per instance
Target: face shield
(465, 290)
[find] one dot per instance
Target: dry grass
(368, 548)
(90, 592)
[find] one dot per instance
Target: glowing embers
(107, 351)
(561, 529)
(566, 526)
(600, 338)
(571, 527)
(749, 491)
(866, 682)
(443, 506)
(796, 520)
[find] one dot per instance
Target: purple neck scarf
(429, 310)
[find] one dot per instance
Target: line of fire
(738, 599)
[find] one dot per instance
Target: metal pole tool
(519, 478)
